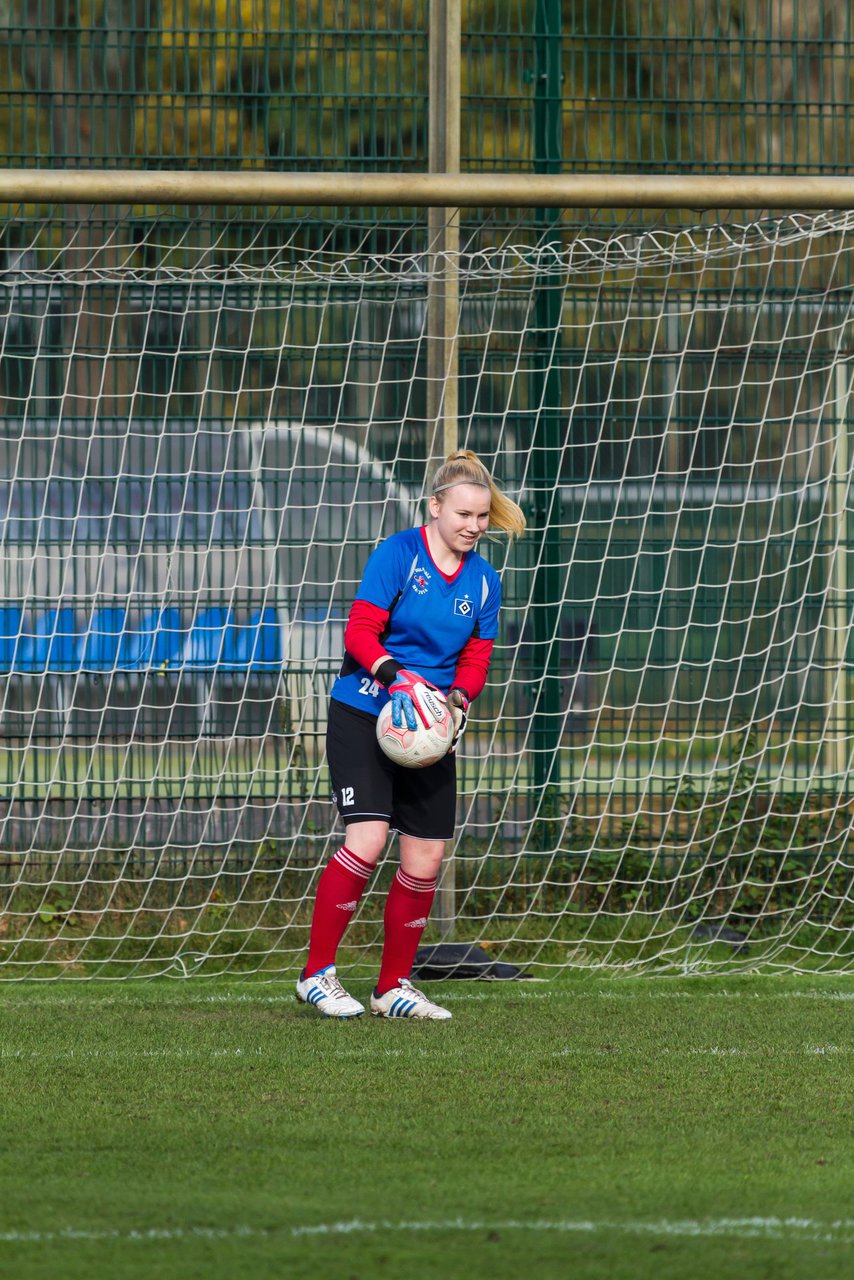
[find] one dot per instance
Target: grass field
(590, 1127)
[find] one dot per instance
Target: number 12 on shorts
(348, 796)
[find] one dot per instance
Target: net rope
(204, 431)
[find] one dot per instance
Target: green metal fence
(590, 85)
(646, 84)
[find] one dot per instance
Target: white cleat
(406, 1001)
(324, 991)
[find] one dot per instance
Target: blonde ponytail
(465, 467)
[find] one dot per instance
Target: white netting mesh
(205, 429)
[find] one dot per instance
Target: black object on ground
(461, 960)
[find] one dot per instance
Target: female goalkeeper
(426, 611)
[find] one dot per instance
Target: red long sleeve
(473, 665)
(365, 625)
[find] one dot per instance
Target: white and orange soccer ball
(417, 748)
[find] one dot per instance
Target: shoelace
(331, 985)
(413, 991)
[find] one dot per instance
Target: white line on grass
(711, 1051)
(369, 1049)
(44, 996)
(560, 992)
(839, 1231)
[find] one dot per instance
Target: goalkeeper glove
(458, 704)
(411, 693)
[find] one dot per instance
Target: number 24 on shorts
(369, 688)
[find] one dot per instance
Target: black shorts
(368, 787)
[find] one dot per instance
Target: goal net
(205, 428)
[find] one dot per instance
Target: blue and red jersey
(440, 625)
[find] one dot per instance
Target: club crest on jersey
(420, 580)
(464, 607)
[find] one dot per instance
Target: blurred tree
(84, 77)
(750, 84)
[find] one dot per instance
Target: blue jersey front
(431, 616)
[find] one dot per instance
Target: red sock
(339, 889)
(406, 910)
